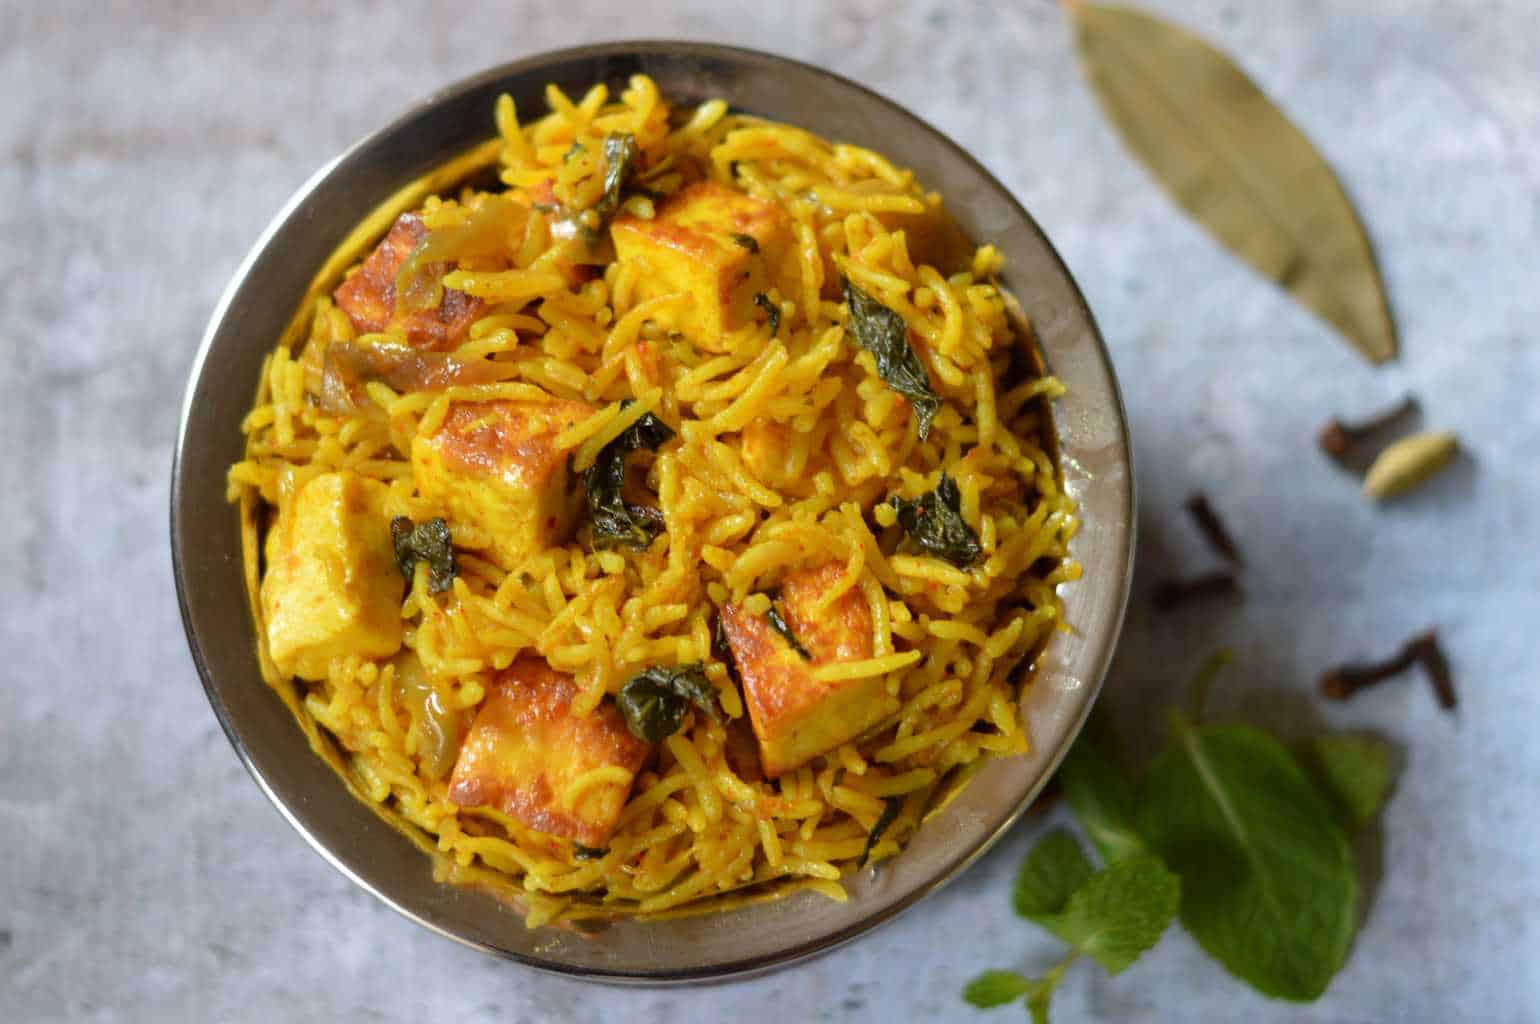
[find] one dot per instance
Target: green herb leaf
(581, 852)
(772, 311)
(723, 651)
(890, 808)
(1268, 886)
(1098, 789)
(654, 702)
(1041, 994)
(1049, 876)
(616, 522)
(779, 625)
(749, 242)
(1120, 911)
(934, 522)
(620, 153)
(1236, 164)
(996, 988)
(429, 542)
(884, 334)
(1352, 772)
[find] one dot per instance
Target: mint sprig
(1270, 888)
(1352, 772)
(1112, 916)
(1244, 840)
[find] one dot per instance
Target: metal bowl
(206, 551)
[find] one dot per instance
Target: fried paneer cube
(368, 296)
(495, 466)
(332, 586)
(529, 757)
(795, 716)
(719, 245)
(767, 449)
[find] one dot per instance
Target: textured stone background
(142, 149)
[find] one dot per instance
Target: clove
(1437, 666)
(1212, 527)
(1173, 593)
(1343, 682)
(1337, 439)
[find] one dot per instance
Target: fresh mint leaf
(1049, 876)
(1098, 789)
(1041, 993)
(1268, 885)
(996, 988)
(1352, 772)
(1216, 663)
(1120, 911)
(1040, 996)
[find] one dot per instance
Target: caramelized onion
(348, 365)
(488, 230)
(440, 731)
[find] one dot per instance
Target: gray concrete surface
(142, 148)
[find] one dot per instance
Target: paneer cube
(368, 296)
(529, 757)
(332, 586)
(495, 466)
(766, 446)
(717, 244)
(795, 716)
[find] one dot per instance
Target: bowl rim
(722, 970)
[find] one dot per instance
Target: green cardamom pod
(1409, 462)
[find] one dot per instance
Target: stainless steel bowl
(206, 547)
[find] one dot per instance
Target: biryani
(654, 509)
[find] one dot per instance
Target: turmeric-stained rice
(724, 501)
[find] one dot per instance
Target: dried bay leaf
(1233, 161)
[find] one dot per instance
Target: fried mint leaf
(1352, 772)
(934, 521)
(615, 521)
(620, 153)
(772, 311)
(884, 334)
(890, 808)
(1268, 886)
(1049, 876)
(778, 624)
(429, 542)
(655, 701)
(581, 852)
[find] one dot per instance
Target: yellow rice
(949, 641)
